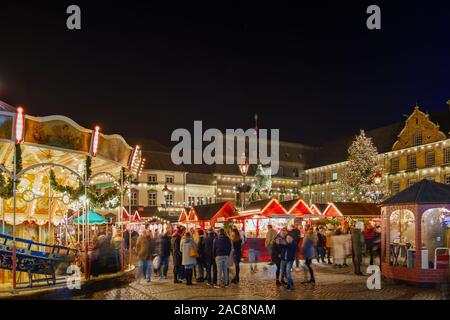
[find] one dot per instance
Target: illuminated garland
(103, 200)
(6, 188)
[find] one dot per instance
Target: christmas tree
(361, 180)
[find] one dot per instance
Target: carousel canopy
(422, 192)
(92, 218)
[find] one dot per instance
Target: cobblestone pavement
(331, 284)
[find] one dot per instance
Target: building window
(200, 201)
(334, 176)
(314, 197)
(417, 139)
(447, 179)
(152, 198)
(314, 178)
(429, 158)
(280, 171)
(152, 178)
(323, 197)
(169, 199)
(411, 182)
(305, 179)
(322, 177)
(411, 163)
(447, 155)
(134, 197)
(191, 201)
(169, 179)
(395, 164)
(395, 187)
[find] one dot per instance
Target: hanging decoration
(108, 199)
(6, 185)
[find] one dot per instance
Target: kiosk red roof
(352, 209)
(266, 207)
(212, 211)
(297, 207)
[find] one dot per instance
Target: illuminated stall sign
(115, 148)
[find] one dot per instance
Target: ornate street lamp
(166, 192)
(377, 179)
(243, 168)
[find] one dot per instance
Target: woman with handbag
(189, 255)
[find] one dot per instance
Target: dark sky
(312, 70)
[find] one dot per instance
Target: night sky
(312, 70)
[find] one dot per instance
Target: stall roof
(264, 207)
(318, 208)
(296, 206)
(339, 209)
(422, 192)
(208, 211)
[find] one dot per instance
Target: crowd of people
(208, 256)
(214, 256)
(321, 242)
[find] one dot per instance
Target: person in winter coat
(176, 254)
(162, 251)
(347, 244)
(320, 245)
(295, 233)
(237, 253)
(270, 236)
(357, 246)
(276, 259)
(208, 256)
(222, 250)
(200, 265)
(338, 249)
(142, 250)
(288, 254)
(309, 243)
(329, 234)
(189, 255)
(369, 237)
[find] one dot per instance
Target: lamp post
(243, 168)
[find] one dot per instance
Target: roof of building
(157, 160)
(355, 208)
(207, 211)
(422, 192)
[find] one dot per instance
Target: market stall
(353, 211)
(254, 220)
(210, 215)
(416, 234)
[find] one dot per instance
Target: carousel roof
(422, 192)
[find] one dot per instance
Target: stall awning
(266, 208)
(92, 218)
(297, 207)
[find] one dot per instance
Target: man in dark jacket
(295, 234)
(162, 250)
(222, 250)
(208, 255)
(176, 255)
(357, 246)
(288, 254)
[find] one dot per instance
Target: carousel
(54, 173)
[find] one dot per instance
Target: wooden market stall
(210, 215)
(254, 220)
(367, 212)
(416, 234)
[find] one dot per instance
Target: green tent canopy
(93, 218)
